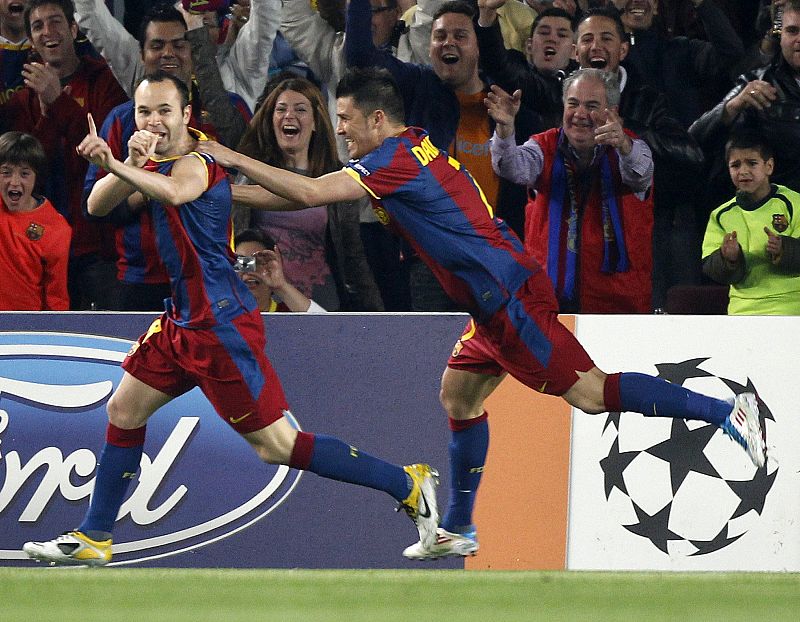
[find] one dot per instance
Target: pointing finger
(92, 126)
(600, 117)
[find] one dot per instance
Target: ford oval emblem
(199, 481)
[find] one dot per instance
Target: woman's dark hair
(260, 143)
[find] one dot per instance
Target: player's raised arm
(301, 190)
(186, 182)
(109, 191)
(256, 197)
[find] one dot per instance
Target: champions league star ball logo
(684, 485)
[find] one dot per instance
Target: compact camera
(245, 263)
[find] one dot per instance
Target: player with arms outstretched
(211, 334)
(434, 203)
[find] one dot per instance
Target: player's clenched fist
(141, 147)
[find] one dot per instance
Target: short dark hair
(163, 76)
(609, 11)
(159, 13)
(552, 11)
(372, 89)
(66, 5)
(21, 148)
(456, 6)
(746, 138)
(254, 235)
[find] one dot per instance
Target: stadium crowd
(628, 222)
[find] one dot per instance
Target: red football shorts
(525, 339)
(227, 362)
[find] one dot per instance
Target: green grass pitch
(144, 595)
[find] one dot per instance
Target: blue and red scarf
(564, 195)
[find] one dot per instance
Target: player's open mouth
(52, 44)
(636, 11)
(598, 62)
(169, 67)
(16, 8)
(549, 51)
(290, 130)
(14, 195)
(251, 281)
(449, 59)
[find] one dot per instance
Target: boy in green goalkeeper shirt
(751, 242)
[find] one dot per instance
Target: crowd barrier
(561, 489)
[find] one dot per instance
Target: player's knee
(274, 443)
(119, 414)
(593, 407)
(270, 455)
(454, 405)
(587, 403)
(587, 394)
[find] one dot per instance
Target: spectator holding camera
(766, 100)
(260, 265)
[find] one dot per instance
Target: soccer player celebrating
(211, 335)
(434, 203)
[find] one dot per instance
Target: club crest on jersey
(382, 215)
(779, 223)
(34, 231)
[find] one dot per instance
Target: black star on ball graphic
(683, 450)
(655, 528)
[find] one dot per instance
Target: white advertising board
(652, 493)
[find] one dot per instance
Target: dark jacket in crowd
(692, 73)
(779, 125)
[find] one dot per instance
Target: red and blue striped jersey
(433, 202)
(137, 261)
(137, 258)
(193, 240)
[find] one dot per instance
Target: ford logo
(199, 481)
